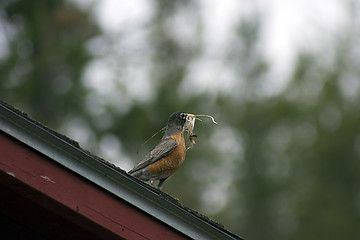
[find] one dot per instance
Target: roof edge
(69, 154)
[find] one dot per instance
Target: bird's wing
(164, 148)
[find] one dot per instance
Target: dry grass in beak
(212, 118)
(190, 124)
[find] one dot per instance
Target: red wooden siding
(27, 174)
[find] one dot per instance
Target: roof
(68, 154)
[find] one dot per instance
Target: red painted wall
(78, 195)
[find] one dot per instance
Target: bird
(168, 155)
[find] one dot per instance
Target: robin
(168, 155)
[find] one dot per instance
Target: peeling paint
(11, 174)
(47, 179)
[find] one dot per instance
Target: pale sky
(289, 25)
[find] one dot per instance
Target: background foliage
(280, 166)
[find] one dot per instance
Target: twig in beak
(212, 118)
(191, 124)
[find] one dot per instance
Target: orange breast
(166, 166)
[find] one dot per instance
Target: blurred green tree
(281, 166)
(45, 55)
(297, 176)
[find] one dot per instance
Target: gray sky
(288, 26)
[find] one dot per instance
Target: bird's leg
(161, 182)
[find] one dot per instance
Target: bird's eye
(183, 115)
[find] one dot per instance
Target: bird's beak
(192, 116)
